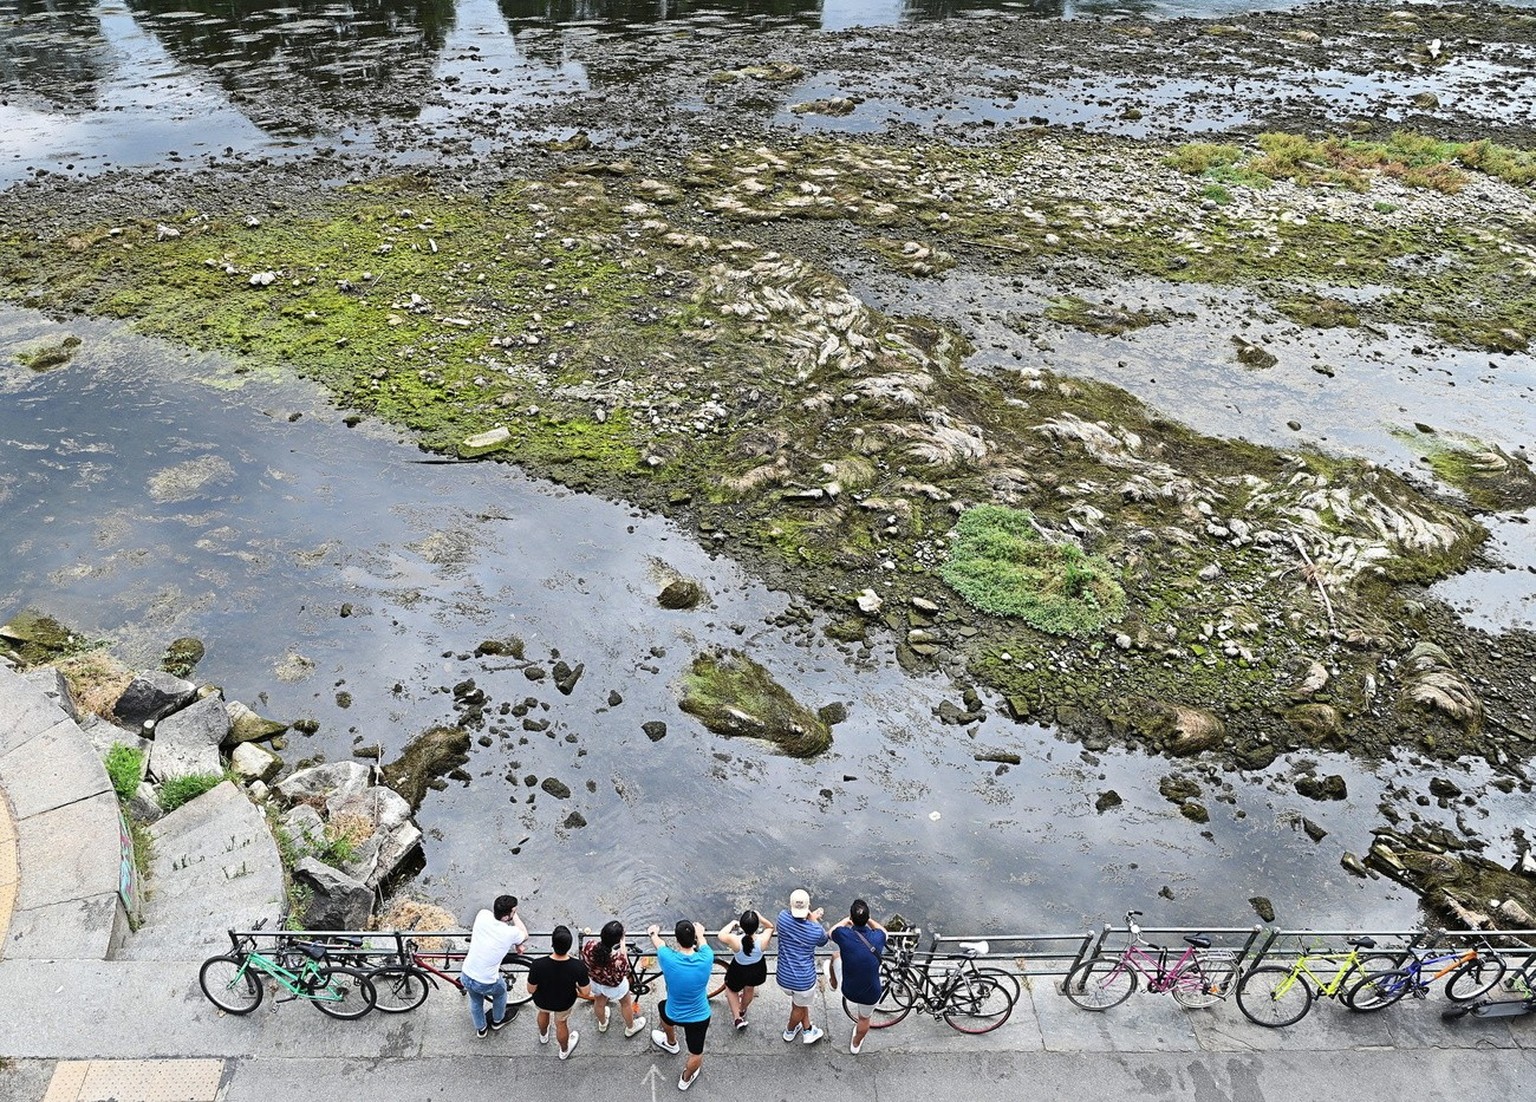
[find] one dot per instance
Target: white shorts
(801, 998)
(860, 1010)
(615, 993)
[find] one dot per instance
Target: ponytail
(748, 923)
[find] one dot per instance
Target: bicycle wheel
(398, 988)
(1204, 983)
(1009, 981)
(1100, 983)
(1274, 997)
(515, 972)
(1377, 964)
(977, 1004)
(345, 993)
(895, 1003)
(1379, 992)
(1475, 978)
(230, 984)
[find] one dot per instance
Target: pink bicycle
(1200, 977)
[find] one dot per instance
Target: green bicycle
(234, 982)
(1277, 995)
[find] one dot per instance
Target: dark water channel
(147, 495)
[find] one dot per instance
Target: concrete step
(215, 866)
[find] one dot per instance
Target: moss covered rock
(735, 696)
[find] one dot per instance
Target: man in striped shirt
(800, 934)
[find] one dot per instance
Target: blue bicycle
(1473, 973)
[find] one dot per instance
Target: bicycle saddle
(974, 948)
(1199, 941)
(312, 949)
(1362, 942)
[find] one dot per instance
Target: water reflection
(282, 61)
(51, 52)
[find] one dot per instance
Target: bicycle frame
(291, 981)
(1302, 967)
(1160, 978)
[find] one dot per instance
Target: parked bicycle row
(881, 976)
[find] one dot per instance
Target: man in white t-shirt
(496, 933)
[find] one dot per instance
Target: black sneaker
(482, 1031)
(505, 1019)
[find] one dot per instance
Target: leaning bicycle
(1473, 973)
(236, 982)
(1200, 977)
(972, 999)
(1276, 995)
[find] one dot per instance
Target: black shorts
(738, 976)
(693, 1032)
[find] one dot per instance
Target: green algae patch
(1001, 564)
(1103, 318)
(1492, 479)
(736, 697)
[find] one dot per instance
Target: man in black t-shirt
(554, 982)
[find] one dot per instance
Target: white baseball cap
(800, 903)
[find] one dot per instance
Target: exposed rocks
(484, 443)
(832, 714)
(1176, 729)
(187, 742)
(252, 763)
(1318, 724)
(34, 637)
(556, 788)
(246, 726)
(1466, 889)
(1002, 757)
(654, 729)
(335, 900)
(735, 696)
(430, 755)
(511, 647)
(325, 782)
(1314, 787)
(151, 695)
(1262, 907)
(566, 676)
(182, 656)
(680, 593)
(1434, 683)
(1107, 800)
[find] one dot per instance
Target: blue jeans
(478, 993)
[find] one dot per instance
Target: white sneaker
(683, 1082)
(791, 1034)
(812, 1035)
(659, 1039)
(854, 1046)
(544, 1037)
(565, 1053)
(634, 1027)
(602, 1025)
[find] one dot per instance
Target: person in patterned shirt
(608, 966)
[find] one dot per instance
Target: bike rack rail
(1335, 941)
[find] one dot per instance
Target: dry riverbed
(671, 314)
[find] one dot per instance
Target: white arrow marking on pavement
(651, 1077)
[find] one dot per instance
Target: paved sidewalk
(99, 1012)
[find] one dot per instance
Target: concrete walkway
(67, 835)
(1146, 1049)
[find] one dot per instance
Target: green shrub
(1198, 158)
(125, 766)
(1000, 564)
(179, 790)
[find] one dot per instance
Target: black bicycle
(972, 999)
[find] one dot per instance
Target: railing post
(1247, 945)
(1258, 958)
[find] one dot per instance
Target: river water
(147, 494)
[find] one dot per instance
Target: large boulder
(1177, 729)
(246, 726)
(104, 736)
(385, 808)
(336, 900)
(304, 825)
(426, 757)
(377, 858)
(337, 778)
(188, 741)
(150, 695)
(254, 763)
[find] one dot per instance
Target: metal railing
(1023, 954)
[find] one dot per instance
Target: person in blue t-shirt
(800, 935)
(686, 970)
(860, 942)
